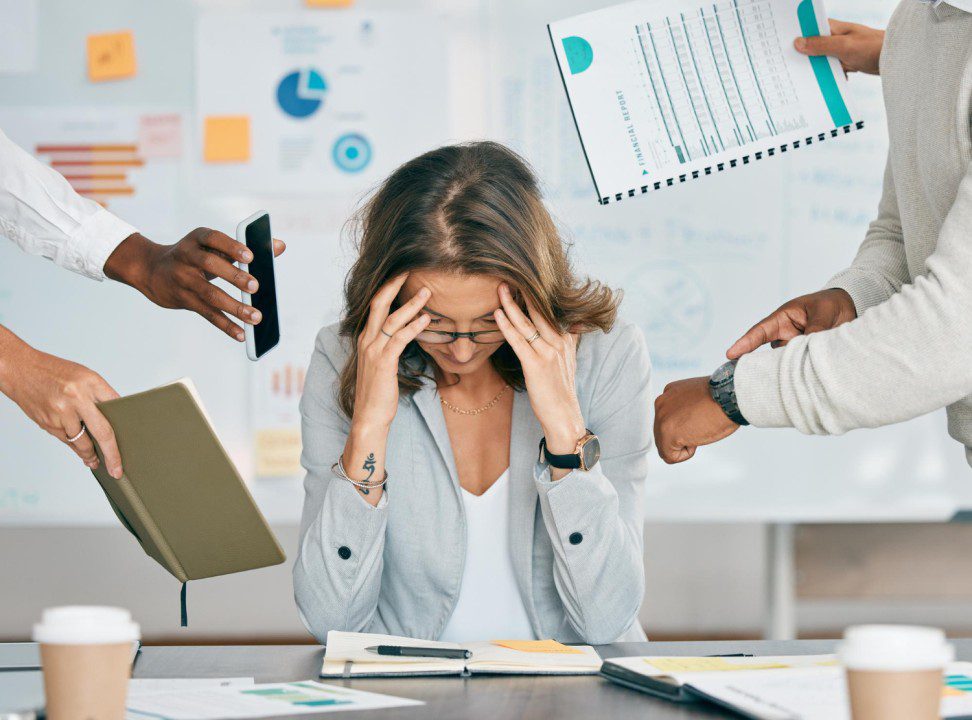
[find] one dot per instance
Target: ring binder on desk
(662, 99)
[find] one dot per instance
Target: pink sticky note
(160, 136)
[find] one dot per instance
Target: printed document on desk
(665, 92)
(256, 701)
(814, 693)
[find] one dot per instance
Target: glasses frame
(471, 335)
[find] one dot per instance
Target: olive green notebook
(180, 495)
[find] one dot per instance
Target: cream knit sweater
(910, 349)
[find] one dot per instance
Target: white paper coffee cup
(86, 656)
(84, 625)
(894, 672)
(894, 648)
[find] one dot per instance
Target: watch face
(591, 452)
(722, 374)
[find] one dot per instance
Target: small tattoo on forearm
(369, 465)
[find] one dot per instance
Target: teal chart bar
(821, 68)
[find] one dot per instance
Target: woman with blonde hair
(476, 427)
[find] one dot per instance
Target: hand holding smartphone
(254, 232)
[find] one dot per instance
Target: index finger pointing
(761, 333)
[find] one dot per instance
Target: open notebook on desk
(672, 677)
(347, 656)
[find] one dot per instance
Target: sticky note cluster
(111, 56)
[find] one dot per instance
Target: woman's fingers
(547, 331)
(407, 312)
(82, 447)
(513, 313)
(85, 450)
(101, 431)
(514, 337)
(397, 342)
(381, 304)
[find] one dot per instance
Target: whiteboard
(698, 265)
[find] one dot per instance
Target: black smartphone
(254, 232)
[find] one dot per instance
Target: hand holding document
(667, 92)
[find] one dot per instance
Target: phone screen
(258, 238)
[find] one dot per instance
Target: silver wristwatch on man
(723, 390)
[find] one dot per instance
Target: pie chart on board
(301, 93)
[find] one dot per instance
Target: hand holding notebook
(349, 655)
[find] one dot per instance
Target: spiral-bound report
(667, 91)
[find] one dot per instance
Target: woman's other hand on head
(549, 359)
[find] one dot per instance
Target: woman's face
(459, 303)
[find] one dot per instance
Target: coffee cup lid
(85, 624)
(894, 648)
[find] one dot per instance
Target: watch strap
(571, 461)
(722, 388)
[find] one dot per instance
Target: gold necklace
(484, 408)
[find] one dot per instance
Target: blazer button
(576, 538)
(344, 552)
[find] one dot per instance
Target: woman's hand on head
(548, 362)
(380, 345)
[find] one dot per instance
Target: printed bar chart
(718, 79)
(97, 171)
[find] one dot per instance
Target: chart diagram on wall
(311, 104)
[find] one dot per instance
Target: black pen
(397, 650)
(732, 655)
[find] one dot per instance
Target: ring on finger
(78, 436)
(386, 334)
(533, 337)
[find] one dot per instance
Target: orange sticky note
(538, 646)
(329, 3)
(226, 138)
(111, 56)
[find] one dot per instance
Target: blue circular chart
(301, 93)
(351, 152)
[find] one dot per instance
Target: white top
(489, 605)
(40, 211)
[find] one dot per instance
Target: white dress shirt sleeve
(41, 212)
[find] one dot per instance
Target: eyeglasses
(442, 337)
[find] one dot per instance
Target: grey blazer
(397, 568)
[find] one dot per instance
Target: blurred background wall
(698, 264)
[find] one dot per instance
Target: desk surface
(523, 697)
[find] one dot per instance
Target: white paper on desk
(149, 686)
(808, 693)
(297, 698)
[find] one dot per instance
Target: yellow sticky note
(111, 56)
(705, 664)
(329, 3)
(538, 646)
(226, 138)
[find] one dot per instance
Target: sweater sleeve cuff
(89, 247)
(864, 290)
(757, 384)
